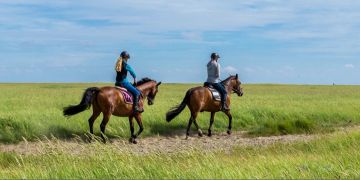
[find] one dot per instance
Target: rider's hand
(134, 82)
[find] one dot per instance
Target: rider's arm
(131, 71)
(218, 71)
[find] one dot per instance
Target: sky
(274, 41)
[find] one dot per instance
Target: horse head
(233, 84)
(149, 89)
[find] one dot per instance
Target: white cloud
(249, 69)
(193, 36)
(230, 70)
(190, 18)
(286, 70)
(58, 28)
(350, 66)
(289, 68)
(325, 22)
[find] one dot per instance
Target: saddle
(128, 97)
(215, 93)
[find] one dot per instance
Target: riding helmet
(125, 54)
(214, 55)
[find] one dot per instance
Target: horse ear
(237, 76)
(158, 84)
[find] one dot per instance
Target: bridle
(234, 89)
(150, 98)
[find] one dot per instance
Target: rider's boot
(224, 106)
(137, 108)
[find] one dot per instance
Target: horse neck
(145, 88)
(228, 85)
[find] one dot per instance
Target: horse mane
(227, 79)
(143, 81)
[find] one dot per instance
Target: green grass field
(34, 111)
(334, 156)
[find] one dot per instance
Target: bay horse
(109, 101)
(199, 99)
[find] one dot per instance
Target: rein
(226, 82)
(143, 91)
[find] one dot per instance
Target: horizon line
(251, 83)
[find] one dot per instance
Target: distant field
(32, 111)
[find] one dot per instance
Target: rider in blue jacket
(122, 68)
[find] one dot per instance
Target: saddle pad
(120, 88)
(215, 94)
(128, 98)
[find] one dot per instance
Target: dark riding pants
(133, 90)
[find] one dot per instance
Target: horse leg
(188, 127)
(198, 129)
(141, 127)
(196, 125)
(230, 121)
(103, 125)
(91, 120)
(211, 123)
(132, 129)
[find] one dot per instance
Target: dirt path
(157, 144)
(217, 142)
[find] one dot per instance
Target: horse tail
(85, 103)
(175, 111)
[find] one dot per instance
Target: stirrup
(138, 110)
(225, 108)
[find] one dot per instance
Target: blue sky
(274, 41)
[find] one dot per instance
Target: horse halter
(150, 98)
(236, 90)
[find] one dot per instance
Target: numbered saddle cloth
(128, 97)
(215, 94)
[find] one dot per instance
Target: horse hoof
(200, 133)
(133, 141)
(228, 132)
(90, 140)
(103, 138)
(209, 133)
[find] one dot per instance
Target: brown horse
(200, 99)
(109, 101)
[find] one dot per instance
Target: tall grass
(333, 156)
(35, 110)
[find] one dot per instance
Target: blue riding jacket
(121, 79)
